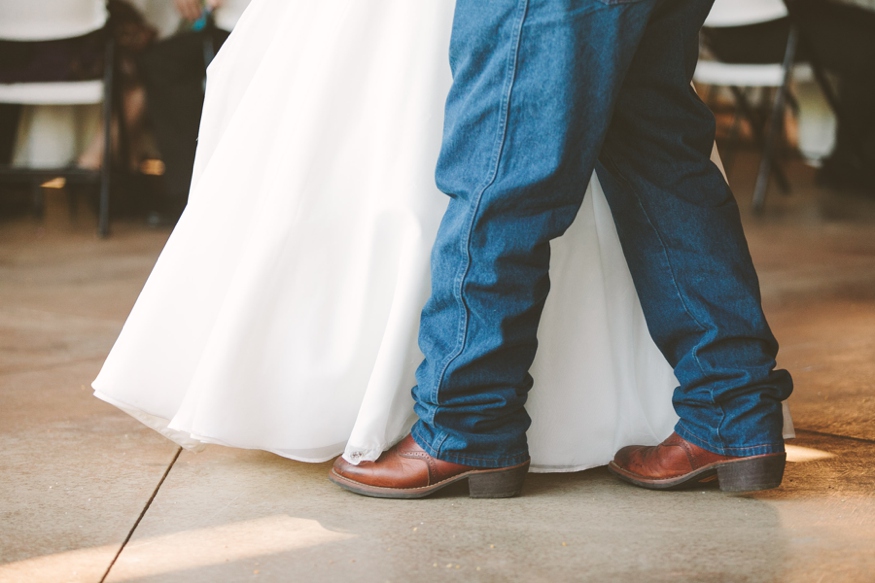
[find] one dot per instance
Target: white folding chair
(42, 20)
(740, 76)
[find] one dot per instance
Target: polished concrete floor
(87, 494)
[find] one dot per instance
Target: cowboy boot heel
(751, 474)
(498, 483)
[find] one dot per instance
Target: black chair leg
(779, 133)
(758, 124)
(749, 112)
(732, 142)
(106, 167)
(776, 124)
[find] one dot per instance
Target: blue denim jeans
(544, 91)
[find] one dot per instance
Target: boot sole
(748, 474)
(486, 483)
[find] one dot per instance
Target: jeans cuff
(738, 451)
(476, 461)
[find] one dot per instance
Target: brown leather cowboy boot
(407, 471)
(677, 463)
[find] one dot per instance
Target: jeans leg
(683, 240)
(534, 82)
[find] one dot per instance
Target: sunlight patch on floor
(180, 551)
(799, 454)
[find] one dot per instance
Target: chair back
(726, 13)
(37, 20)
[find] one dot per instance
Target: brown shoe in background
(677, 463)
(407, 471)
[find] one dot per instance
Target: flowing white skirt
(283, 313)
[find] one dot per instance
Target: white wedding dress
(283, 313)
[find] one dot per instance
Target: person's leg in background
(682, 236)
(842, 38)
(10, 113)
(853, 159)
(173, 71)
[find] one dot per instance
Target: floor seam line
(836, 436)
(142, 514)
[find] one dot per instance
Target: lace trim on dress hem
(195, 443)
(159, 424)
(356, 455)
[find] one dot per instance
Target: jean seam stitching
(478, 458)
(427, 445)
(495, 162)
(440, 444)
(724, 448)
